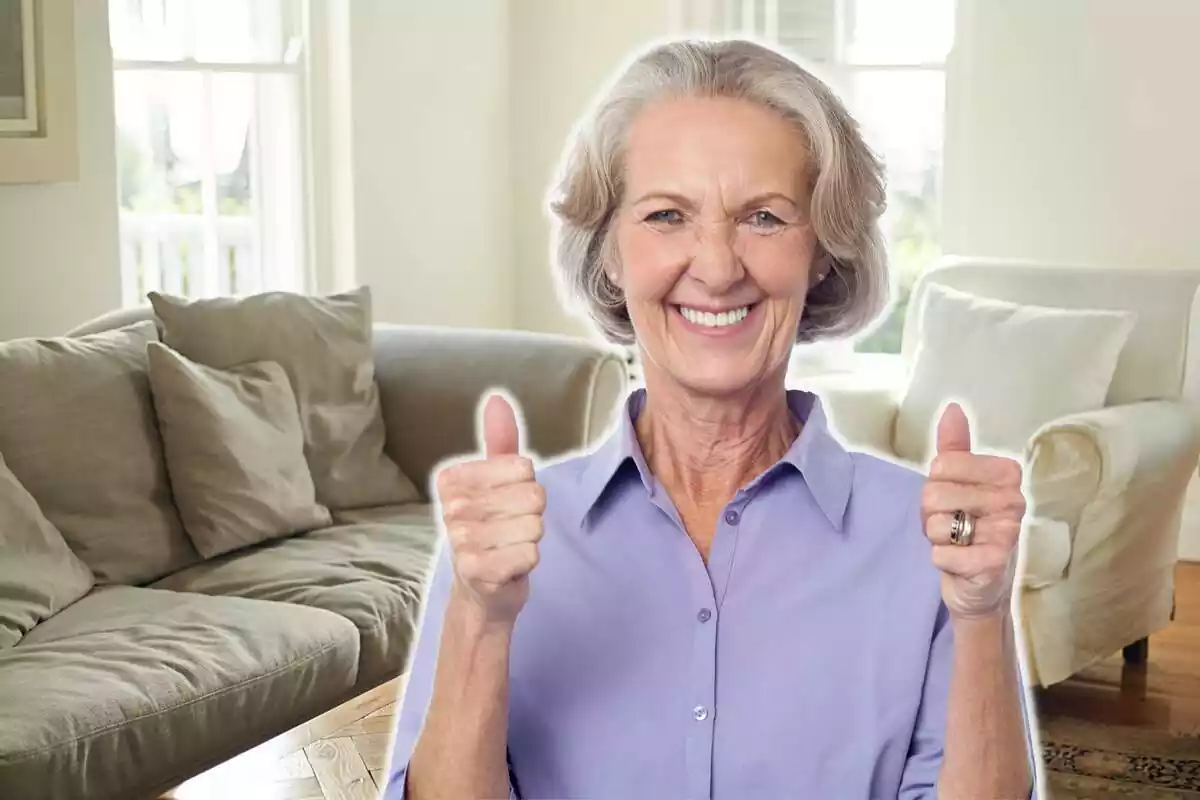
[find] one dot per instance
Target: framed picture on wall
(38, 136)
(18, 72)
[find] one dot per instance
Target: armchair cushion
(1014, 367)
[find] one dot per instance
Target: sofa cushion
(374, 575)
(1014, 367)
(39, 575)
(130, 691)
(420, 514)
(235, 451)
(324, 345)
(77, 428)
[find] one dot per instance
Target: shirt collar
(826, 466)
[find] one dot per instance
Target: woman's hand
(492, 510)
(977, 579)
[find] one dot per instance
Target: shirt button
(705, 615)
(732, 516)
(700, 713)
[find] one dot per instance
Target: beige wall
(1071, 134)
(561, 53)
(1071, 131)
(59, 264)
(429, 99)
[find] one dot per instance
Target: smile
(710, 319)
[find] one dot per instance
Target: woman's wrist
(475, 621)
(989, 637)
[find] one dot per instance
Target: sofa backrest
(1160, 359)
(431, 380)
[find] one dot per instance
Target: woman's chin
(716, 378)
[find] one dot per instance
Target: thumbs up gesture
(492, 510)
(977, 578)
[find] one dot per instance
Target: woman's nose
(715, 261)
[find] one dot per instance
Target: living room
(1036, 155)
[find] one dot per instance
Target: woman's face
(714, 241)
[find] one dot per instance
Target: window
(886, 59)
(209, 113)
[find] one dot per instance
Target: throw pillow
(235, 452)
(1013, 367)
(39, 575)
(77, 429)
(324, 346)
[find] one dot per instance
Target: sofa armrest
(861, 407)
(1092, 477)
(431, 380)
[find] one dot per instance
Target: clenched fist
(492, 509)
(977, 579)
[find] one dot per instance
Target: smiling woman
(718, 207)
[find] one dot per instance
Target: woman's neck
(704, 448)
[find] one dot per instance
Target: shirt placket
(706, 591)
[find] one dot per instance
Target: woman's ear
(820, 267)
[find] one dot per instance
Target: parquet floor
(343, 755)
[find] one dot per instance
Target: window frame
(294, 65)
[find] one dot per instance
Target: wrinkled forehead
(693, 146)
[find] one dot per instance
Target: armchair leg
(1138, 652)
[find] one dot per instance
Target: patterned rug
(1087, 760)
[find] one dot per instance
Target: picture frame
(38, 114)
(18, 70)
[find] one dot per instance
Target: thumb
(500, 434)
(953, 431)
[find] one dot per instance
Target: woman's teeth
(711, 320)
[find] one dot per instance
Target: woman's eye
(765, 219)
(668, 216)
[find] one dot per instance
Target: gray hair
(847, 189)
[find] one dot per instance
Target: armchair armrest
(1092, 475)
(431, 380)
(860, 406)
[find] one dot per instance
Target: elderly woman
(720, 601)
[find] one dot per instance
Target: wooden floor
(343, 754)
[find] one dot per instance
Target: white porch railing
(167, 253)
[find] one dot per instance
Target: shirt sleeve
(920, 777)
(419, 687)
(919, 780)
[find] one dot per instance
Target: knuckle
(537, 498)
(467, 563)
(455, 508)
(535, 529)
(1013, 473)
(523, 467)
(930, 496)
(459, 535)
(446, 482)
(528, 557)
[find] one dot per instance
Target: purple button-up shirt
(810, 657)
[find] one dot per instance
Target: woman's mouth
(715, 320)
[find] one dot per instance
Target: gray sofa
(133, 689)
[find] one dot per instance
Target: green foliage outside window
(914, 243)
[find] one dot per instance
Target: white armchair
(1105, 487)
